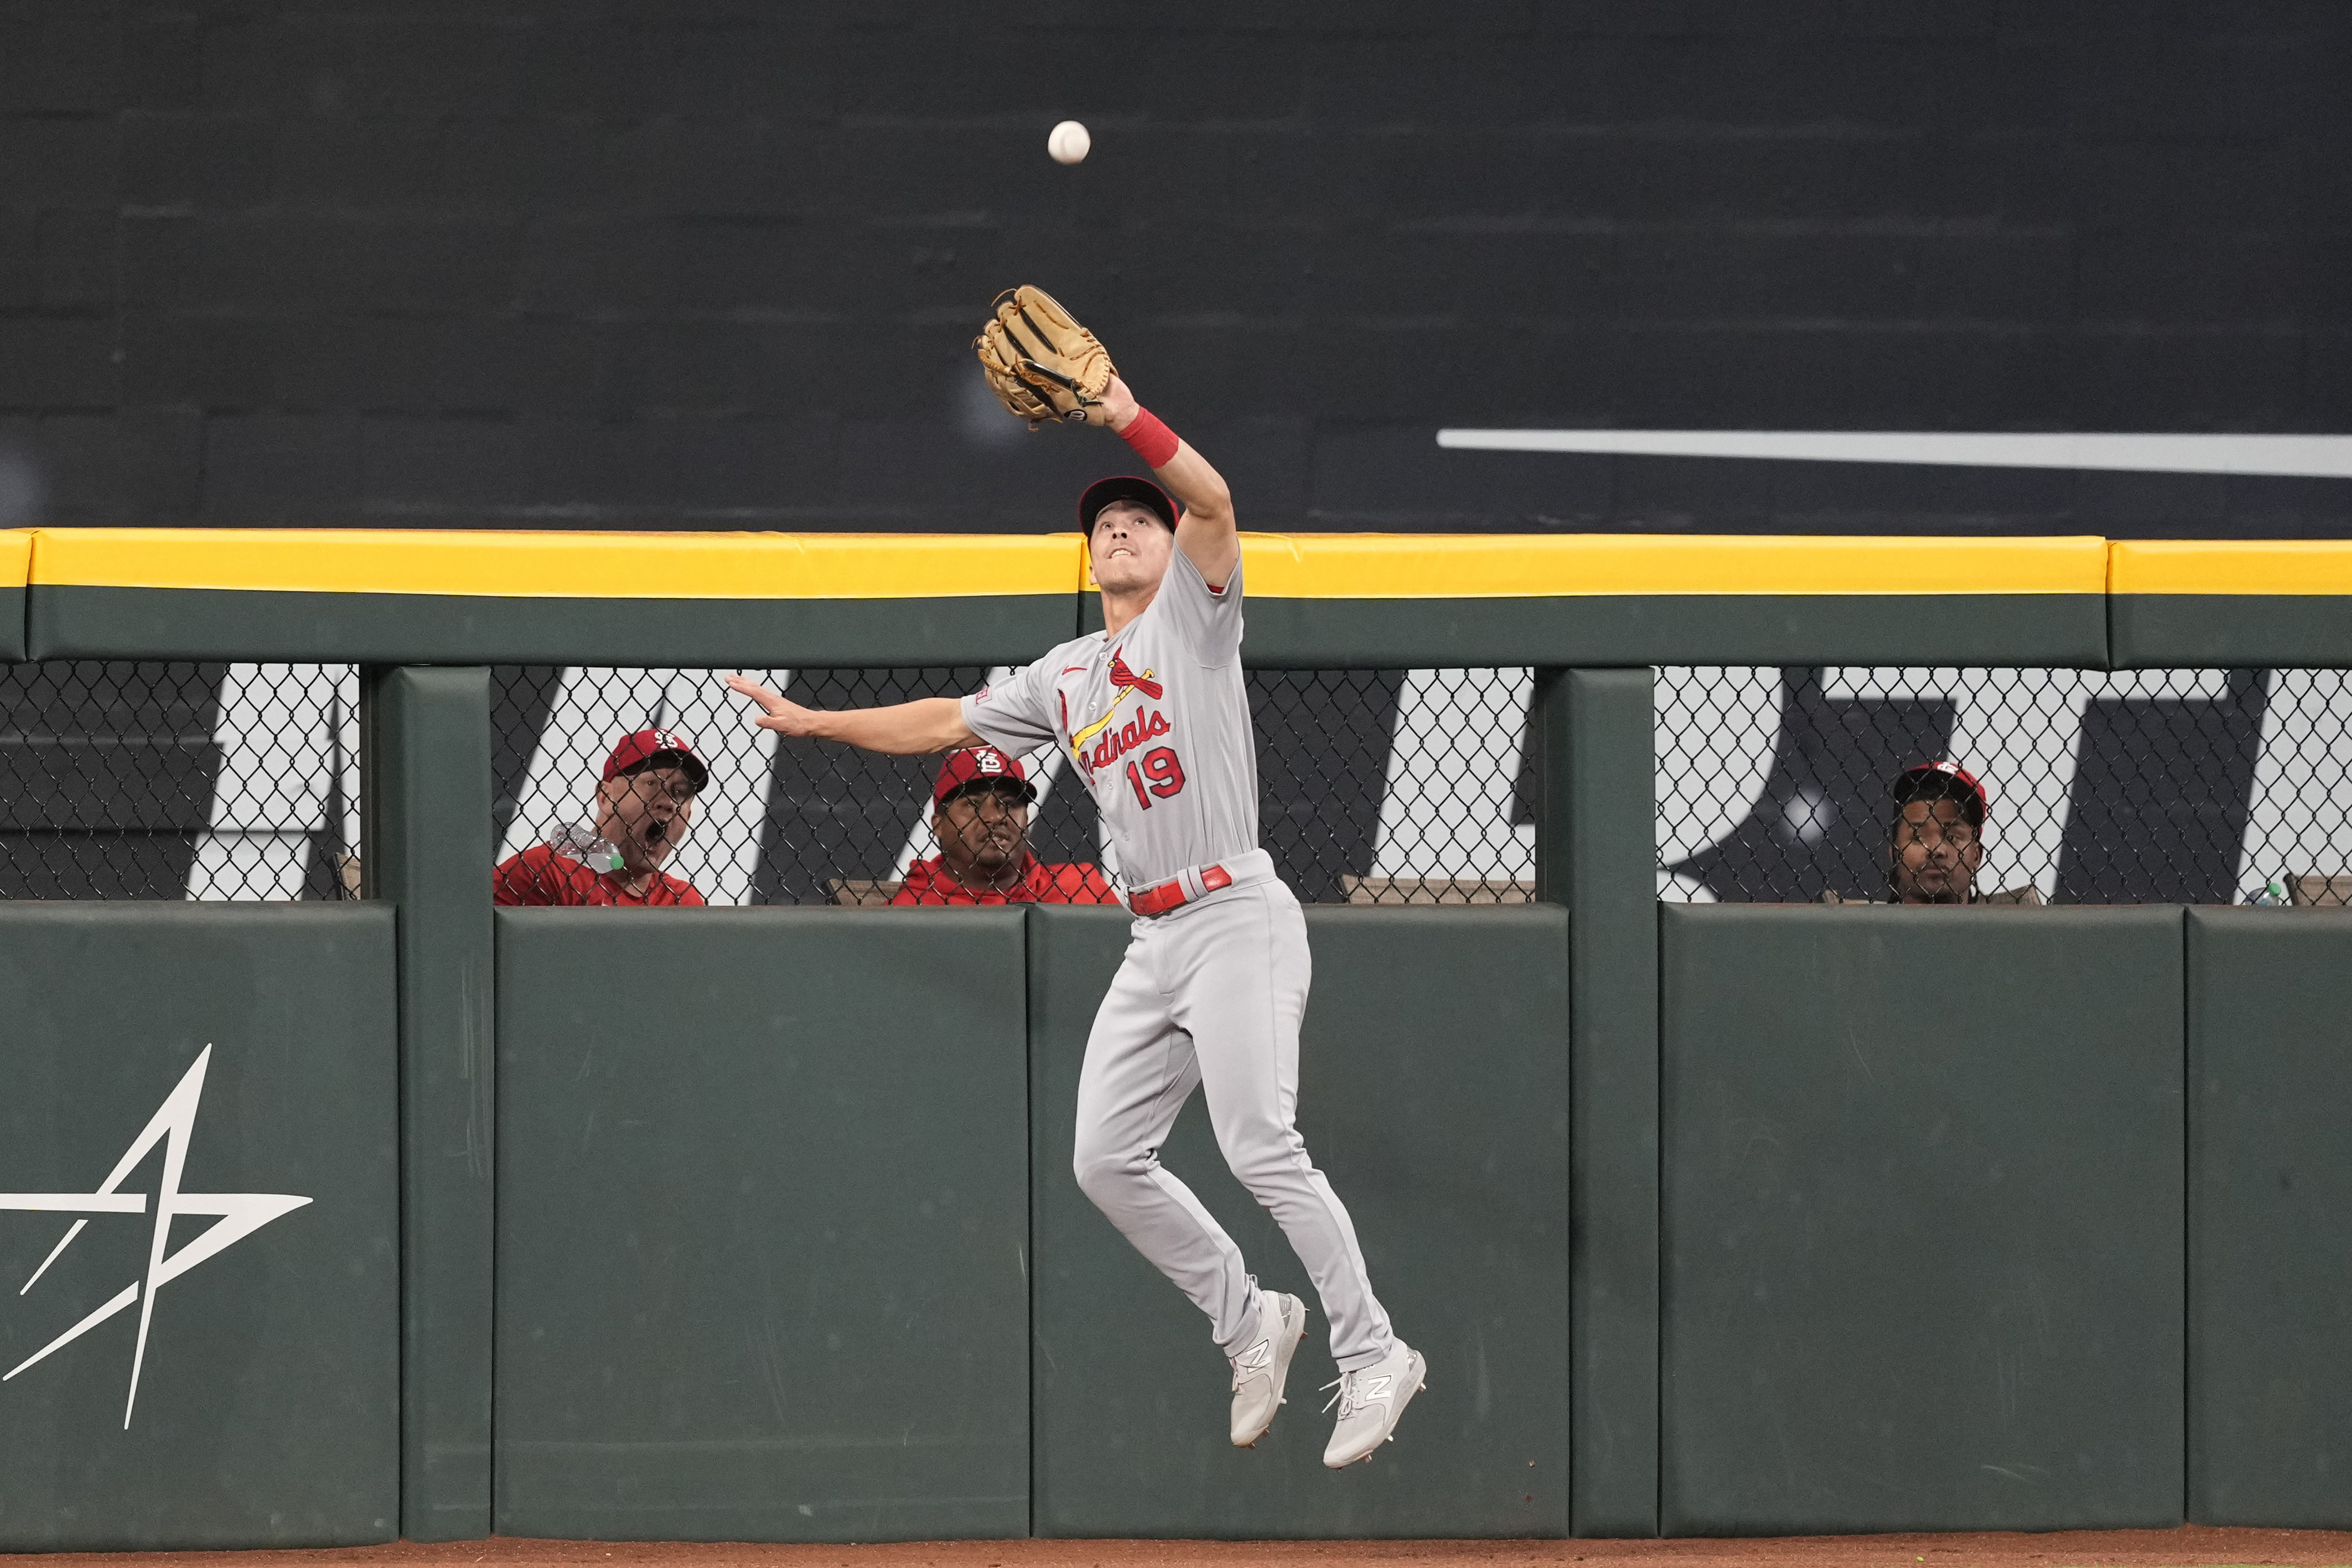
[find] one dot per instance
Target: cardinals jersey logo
(1122, 678)
(1124, 683)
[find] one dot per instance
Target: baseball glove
(1042, 364)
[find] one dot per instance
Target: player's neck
(1120, 609)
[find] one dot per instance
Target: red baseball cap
(660, 746)
(983, 765)
(1125, 487)
(1909, 786)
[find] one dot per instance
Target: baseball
(1069, 141)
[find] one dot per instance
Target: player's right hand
(782, 715)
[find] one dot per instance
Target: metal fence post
(427, 849)
(1595, 853)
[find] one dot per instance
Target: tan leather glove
(1039, 361)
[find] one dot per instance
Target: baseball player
(1153, 713)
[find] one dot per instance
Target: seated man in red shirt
(644, 807)
(979, 813)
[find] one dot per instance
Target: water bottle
(586, 845)
(2273, 893)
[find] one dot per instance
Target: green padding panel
(1433, 1092)
(2232, 631)
(427, 802)
(762, 1209)
(1924, 1219)
(12, 623)
(1594, 731)
(1681, 629)
(268, 1409)
(2269, 1325)
(450, 629)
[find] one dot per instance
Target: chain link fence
(223, 781)
(1375, 786)
(179, 780)
(2134, 786)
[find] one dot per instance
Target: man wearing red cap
(1938, 834)
(644, 806)
(980, 814)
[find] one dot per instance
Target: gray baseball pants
(1211, 993)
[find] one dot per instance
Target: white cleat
(1260, 1371)
(1369, 1403)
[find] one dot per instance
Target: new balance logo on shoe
(1260, 1372)
(1370, 1402)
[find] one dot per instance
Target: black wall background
(529, 262)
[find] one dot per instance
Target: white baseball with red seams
(1157, 721)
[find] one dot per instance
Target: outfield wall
(385, 596)
(756, 1223)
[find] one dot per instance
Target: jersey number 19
(1161, 775)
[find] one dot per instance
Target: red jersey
(930, 882)
(539, 875)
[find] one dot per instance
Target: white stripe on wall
(2310, 456)
(1713, 741)
(276, 733)
(1451, 774)
(2298, 821)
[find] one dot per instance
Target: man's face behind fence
(644, 814)
(1935, 853)
(981, 831)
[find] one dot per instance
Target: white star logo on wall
(239, 1215)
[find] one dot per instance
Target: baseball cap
(981, 766)
(659, 747)
(1124, 488)
(1943, 781)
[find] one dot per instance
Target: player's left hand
(782, 714)
(1119, 405)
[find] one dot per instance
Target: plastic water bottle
(586, 845)
(2273, 895)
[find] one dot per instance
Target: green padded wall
(268, 1410)
(427, 799)
(1614, 628)
(1592, 735)
(1433, 1087)
(2270, 1282)
(1923, 1214)
(79, 621)
(2239, 630)
(762, 1217)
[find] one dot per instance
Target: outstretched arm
(902, 730)
(1207, 533)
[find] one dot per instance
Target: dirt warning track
(2193, 1546)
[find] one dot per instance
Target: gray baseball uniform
(1157, 720)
